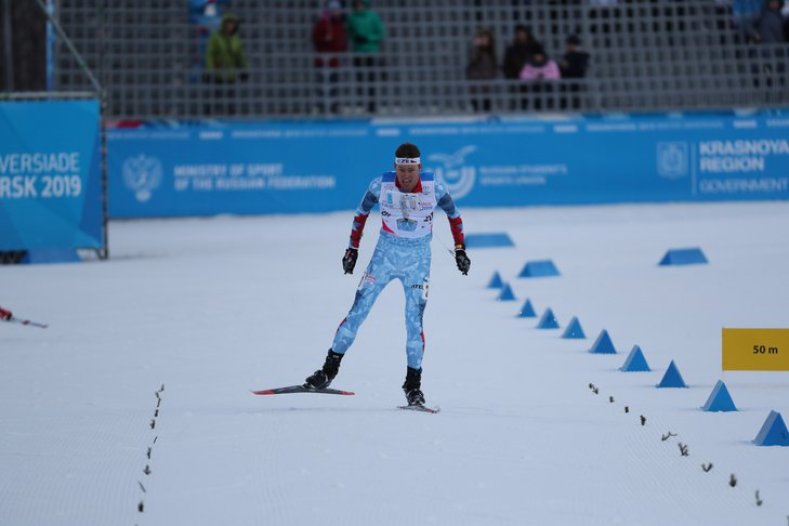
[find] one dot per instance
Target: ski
(300, 389)
(12, 319)
(420, 408)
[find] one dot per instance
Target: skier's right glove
(462, 260)
(349, 260)
(5, 314)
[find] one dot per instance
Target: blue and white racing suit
(402, 252)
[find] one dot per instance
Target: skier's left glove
(5, 314)
(349, 260)
(464, 263)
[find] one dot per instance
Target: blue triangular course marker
(635, 362)
(672, 378)
(547, 320)
(527, 311)
(603, 344)
(683, 256)
(539, 269)
(574, 330)
(719, 399)
(488, 240)
(495, 281)
(773, 432)
(506, 293)
(51, 255)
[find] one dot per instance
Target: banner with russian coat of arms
(166, 169)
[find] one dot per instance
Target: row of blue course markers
(772, 433)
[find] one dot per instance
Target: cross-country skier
(407, 198)
(5, 314)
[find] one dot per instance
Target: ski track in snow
(215, 307)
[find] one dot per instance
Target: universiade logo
(672, 159)
(458, 178)
(142, 175)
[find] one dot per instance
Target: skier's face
(407, 175)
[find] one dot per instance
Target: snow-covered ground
(211, 308)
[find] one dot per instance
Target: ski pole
(28, 322)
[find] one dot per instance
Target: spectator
(224, 58)
(515, 57)
(538, 69)
(769, 24)
(519, 52)
(481, 66)
(574, 62)
(573, 66)
(366, 32)
(329, 36)
(225, 53)
(205, 17)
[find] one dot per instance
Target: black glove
(349, 260)
(464, 263)
(360, 40)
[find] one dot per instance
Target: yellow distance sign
(756, 349)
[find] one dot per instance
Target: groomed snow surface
(211, 308)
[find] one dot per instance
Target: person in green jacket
(225, 52)
(366, 31)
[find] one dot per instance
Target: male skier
(407, 198)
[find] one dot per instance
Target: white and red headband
(408, 160)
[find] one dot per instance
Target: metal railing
(645, 56)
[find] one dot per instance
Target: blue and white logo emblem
(458, 178)
(672, 159)
(142, 175)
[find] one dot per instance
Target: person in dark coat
(482, 65)
(573, 65)
(516, 56)
(769, 24)
(519, 52)
(574, 61)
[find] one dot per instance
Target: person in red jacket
(5, 314)
(330, 38)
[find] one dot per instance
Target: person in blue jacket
(407, 197)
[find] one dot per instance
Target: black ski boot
(413, 382)
(321, 378)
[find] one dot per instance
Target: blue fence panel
(50, 179)
(271, 167)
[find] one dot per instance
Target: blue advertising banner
(50, 184)
(269, 167)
